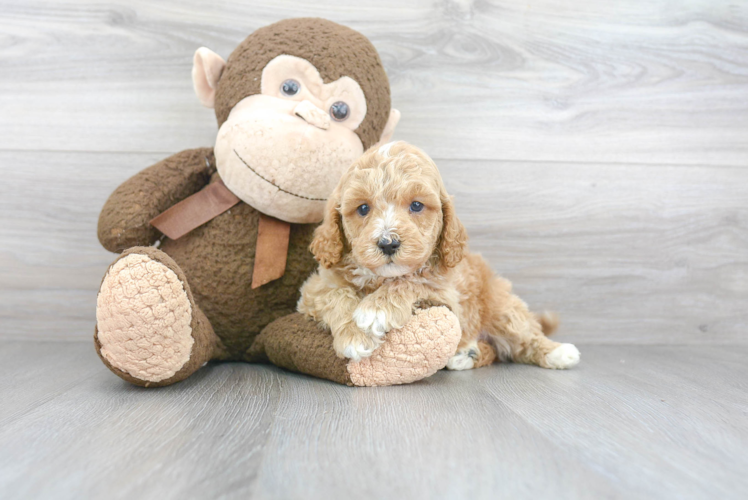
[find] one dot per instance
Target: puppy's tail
(548, 322)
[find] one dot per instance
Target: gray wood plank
(629, 422)
(107, 438)
(51, 263)
(33, 374)
(436, 439)
(636, 81)
(625, 253)
(646, 416)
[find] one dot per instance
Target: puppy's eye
(363, 210)
(416, 206)
(290, 87)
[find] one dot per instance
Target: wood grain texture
(628, 422)
(51, 263)
(583, 81)
(195, 439)
(625, 253)
(29, 374)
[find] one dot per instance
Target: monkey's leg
(149, 330)
(411, 353)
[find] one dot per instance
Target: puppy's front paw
(372, 321)
(354, 344)
(562, 357)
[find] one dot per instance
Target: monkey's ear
(389, 127)
(207, 67)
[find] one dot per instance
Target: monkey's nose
(388, 247)
(312, 115)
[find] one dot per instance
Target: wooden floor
(629, 422)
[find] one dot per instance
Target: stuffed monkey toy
(214, 242)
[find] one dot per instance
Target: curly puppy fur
(364, 288)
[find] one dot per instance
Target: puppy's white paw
(460, 361)
(356, 352)
(371, 321)
(562, 357)
(465, 358)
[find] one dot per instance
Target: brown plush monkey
(296, 102)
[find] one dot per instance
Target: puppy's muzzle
(388, 247)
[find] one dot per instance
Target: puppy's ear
(453, 239)
(327, 245)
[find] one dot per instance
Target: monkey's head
(297, 102)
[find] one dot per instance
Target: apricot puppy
(391, 242)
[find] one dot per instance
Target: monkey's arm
(423, 346)
(124, 220)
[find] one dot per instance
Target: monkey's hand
(124, 221)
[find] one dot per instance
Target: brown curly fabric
(124, 221)
(217, 258)
(296, 343)
(314, 40)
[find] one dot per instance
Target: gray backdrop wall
(599, 160)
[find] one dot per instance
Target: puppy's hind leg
(466, 357)
(470, 352)
(515, 328)
(487, 355)
(473, 354)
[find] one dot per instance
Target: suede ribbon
(213, 200)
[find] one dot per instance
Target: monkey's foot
(149, 330)
(417, 350)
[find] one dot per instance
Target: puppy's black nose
(388, 247)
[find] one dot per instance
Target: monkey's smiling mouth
(274, 184)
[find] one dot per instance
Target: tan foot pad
(419, 349)
(143, 318)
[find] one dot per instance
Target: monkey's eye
(363, 210)
(290, 87)
(339, 111)
(416, 206)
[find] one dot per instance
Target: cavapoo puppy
(391, 242)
